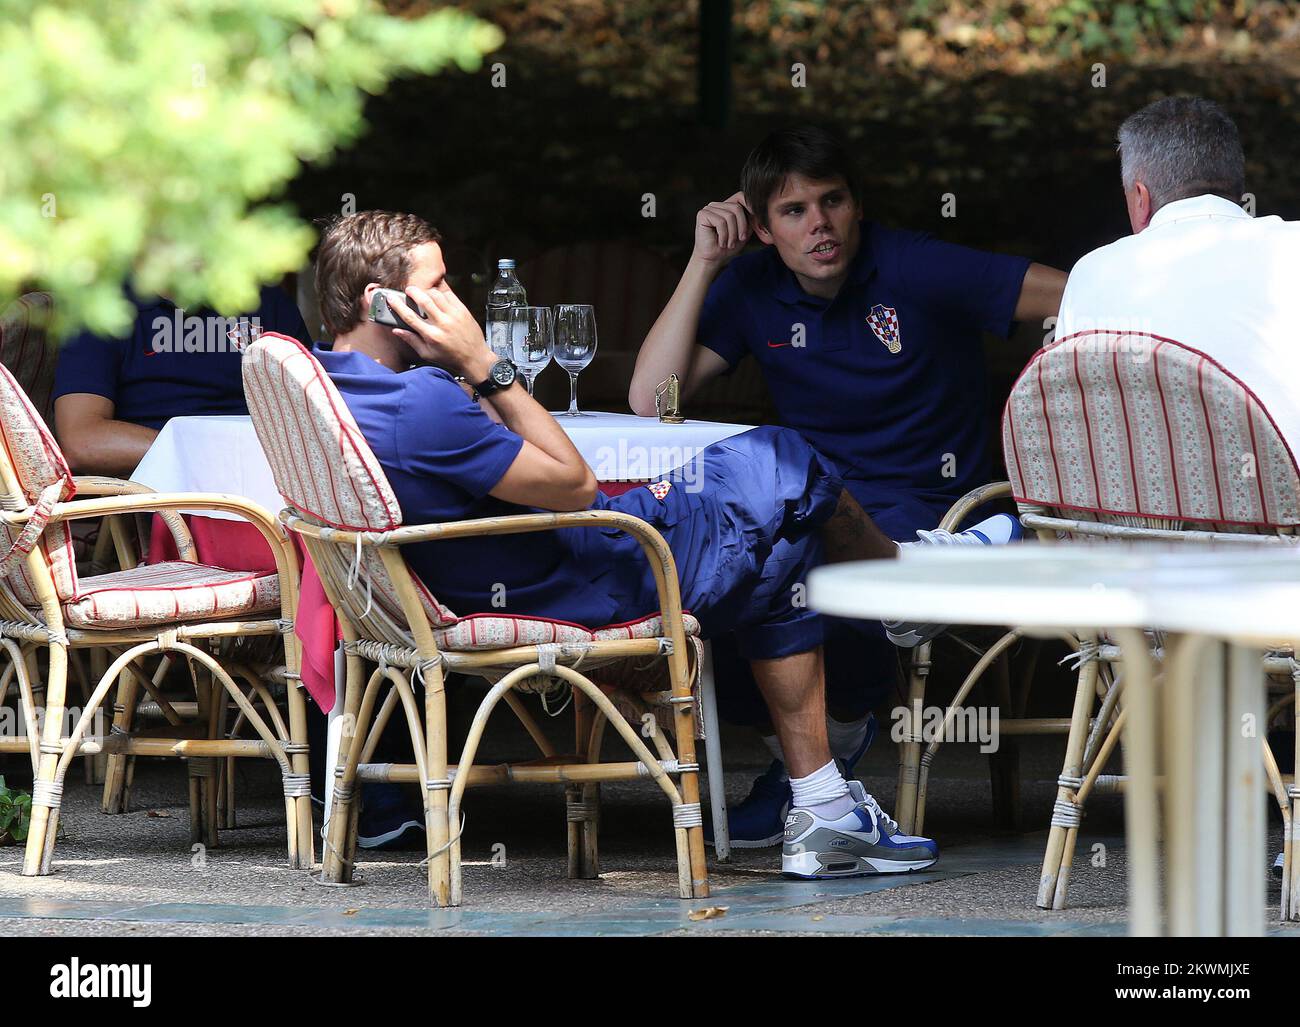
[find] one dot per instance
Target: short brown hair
(370, 246)
(807, 150)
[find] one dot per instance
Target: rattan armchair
(170, 608)
(344, 511)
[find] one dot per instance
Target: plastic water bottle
(506, 292)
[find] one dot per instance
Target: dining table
(1194, 795)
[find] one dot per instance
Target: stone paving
(136, 873)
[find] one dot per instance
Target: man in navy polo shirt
(111, 396)
(769, 508)
(870, 343)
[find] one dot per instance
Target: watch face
(503, 373)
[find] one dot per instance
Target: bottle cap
(505, 264)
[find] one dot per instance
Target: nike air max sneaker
(863, 841)
(758, 821)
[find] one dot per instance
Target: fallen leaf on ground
(708, 913)
(162, 813)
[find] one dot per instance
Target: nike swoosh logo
(776, 345)
(872, 836)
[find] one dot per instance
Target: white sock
(993, 531)
(774, 747)
(824, 792)
(846, 736)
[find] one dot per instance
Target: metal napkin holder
(668, 401)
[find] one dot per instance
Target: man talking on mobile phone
(870, 342)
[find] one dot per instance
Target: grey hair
(1182, 146)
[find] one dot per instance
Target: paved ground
(136, 873)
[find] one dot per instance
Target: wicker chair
(164, 608)
(1130, 437)
(343, 509)
(1123, 436)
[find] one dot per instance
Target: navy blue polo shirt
(888, 378)
(167, 366)
(443, 455)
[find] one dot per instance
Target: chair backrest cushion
(1133, 424)
(322, 464)
(37, 463)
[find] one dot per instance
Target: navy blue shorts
(743, 523)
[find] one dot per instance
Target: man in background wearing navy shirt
(869, 339)
(111, 396)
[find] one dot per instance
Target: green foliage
(1089, 26)
(147, 140)
(15, 813)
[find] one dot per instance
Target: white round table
(1200, 723)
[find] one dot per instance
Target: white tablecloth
(210, 454)
(624, 447)
(222, 454)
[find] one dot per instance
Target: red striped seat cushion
(492, 631)
(166, 593)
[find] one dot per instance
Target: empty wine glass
(575, 345)
(532, 340)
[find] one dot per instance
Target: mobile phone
(381, 307)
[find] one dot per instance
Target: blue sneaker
(390, 818)
(863, 841)
(998, 530)
(758, 822)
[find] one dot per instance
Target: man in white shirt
(1198, 269)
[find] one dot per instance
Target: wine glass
(532, 340)
(575, 345)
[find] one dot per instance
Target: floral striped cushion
(1133, 424)
(164, 593)
(37, 463)
(490, 631)
(322, 464)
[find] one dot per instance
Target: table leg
(1244, 828)
(1208, 748)
(713, 758)
(1141, 809)
(1193, 766)
(333, 732)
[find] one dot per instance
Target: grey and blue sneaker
(863, 841)
(998, 530)
(758, 822)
